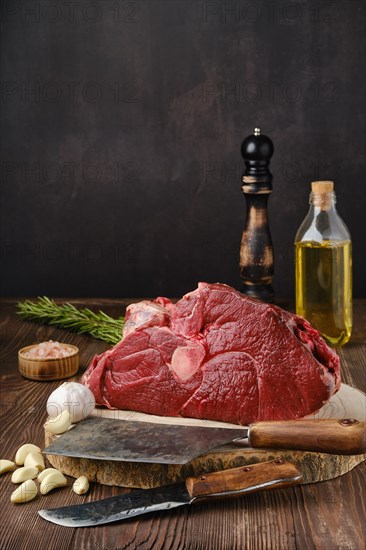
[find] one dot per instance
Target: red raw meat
(216, 355)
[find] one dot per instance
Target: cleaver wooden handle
(344, 437)
(246, 479)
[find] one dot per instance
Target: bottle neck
(322, 221)
(322, 201)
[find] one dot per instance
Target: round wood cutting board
(347, 403)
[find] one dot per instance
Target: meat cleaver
(235, 482)
(133, 441)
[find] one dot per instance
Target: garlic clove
(59, 424)
(25, 492)
(45, 473)
(35, 460)
(53, 481)
(23, 451)
(6, 466)
(24, 473)
(81, 485)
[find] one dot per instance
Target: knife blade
(133, 441)
(235, 482)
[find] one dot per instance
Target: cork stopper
(322, 186)
(322, 194)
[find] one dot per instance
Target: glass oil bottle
(323, 267)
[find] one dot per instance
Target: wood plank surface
(327, 516)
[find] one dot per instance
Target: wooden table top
(328, 515)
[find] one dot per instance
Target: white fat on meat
(144, 314)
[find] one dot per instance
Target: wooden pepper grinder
(256, 250)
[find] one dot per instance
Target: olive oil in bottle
(323, 268)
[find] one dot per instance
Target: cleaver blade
(132, 441)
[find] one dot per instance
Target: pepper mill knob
(256, 250)
(257, 151)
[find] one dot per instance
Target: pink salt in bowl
(48, 368)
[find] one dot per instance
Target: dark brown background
(121, 132)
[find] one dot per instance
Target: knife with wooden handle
(131, 441)
(227, 483)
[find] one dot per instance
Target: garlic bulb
(73, 397)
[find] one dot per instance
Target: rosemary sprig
(84, 321)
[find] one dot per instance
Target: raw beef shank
(218, 355)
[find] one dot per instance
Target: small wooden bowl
(48, 368)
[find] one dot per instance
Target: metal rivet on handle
(246, 469)
(202, 478)
(348, 421)
(278, 461)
